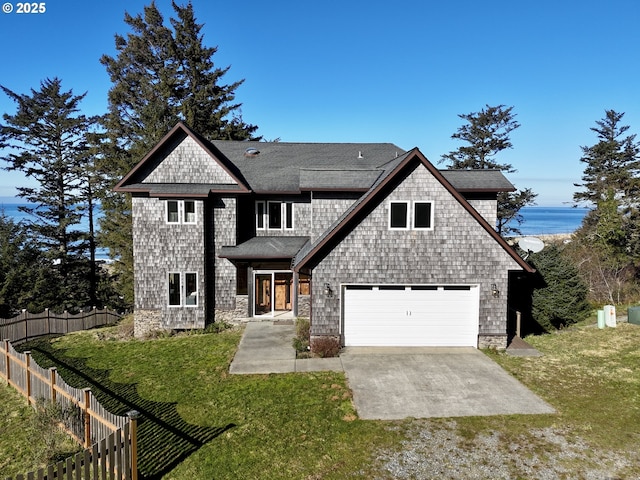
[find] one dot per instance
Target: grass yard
(201, 423)
(27, 440)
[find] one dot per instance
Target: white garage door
(411, 315)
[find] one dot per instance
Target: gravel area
(439, 452)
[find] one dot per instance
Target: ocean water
(11, 210)
(551, 220)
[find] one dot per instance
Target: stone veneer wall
(304, 305)
(458, 250)
(236, 315)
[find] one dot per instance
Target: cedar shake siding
(223, 218)
(327, 207)
(458, 250)
(340, 233)
(186, 163)
(161, 248)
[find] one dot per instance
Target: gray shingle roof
(478, 180)
(265, 247)
(286, 167)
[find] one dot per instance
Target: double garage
(411, 315)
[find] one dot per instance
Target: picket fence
(27, 326)
(110, 440)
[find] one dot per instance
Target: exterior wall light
(494, 290)
(328, 291)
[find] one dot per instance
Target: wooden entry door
(263, 294)
(283, 291)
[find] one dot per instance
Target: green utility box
(634, 315)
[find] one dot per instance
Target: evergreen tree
(24, 282)
(612, 165)
(47, 140)
(608, 241)
(486, 134)
(561, 300)
(160, 75)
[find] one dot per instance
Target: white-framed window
(173, 211)
(422, 215)
(180, 211)
(274, 215)
(175, 291)
(189, 211)
(404, 215)
(260, 215)
(398, 215)
(183, 289)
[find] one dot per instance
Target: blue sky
(373, 71)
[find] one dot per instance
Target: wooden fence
(28, 326)
(82, 416)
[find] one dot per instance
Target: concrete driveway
(397, 383)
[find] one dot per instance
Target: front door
(263, 293)
(273, 292)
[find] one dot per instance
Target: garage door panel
(411, 316)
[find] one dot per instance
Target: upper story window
(274, 215)
(180, 211)
(405, 215)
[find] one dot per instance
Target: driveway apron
(391, 384)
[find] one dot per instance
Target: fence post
(518, 320)
(133, 417)
(87, 418)
(8, 360)
(26, 323)
(52, 383)
(66, 321)
(48, 322)
(27, 357)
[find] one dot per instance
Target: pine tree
(609, 237)
(611, 165)
(47, 140)
(160, 75)
(487, 134)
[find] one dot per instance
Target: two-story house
(373, 243)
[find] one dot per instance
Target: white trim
(169, 304)
(166, 212)
(413, 215)
(272, 293)
(264, 215)
(184, 212)
(284, 216)
(194, 293)
(407, 218)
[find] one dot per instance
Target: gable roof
(134, 181)
(282, 167)
(311, 251)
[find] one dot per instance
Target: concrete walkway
(267, 347)
(396, 383)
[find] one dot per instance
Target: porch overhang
(263, 248)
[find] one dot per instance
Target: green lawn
(201, 423)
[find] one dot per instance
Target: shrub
(303, 332)
(325, 346)
(561, 300)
